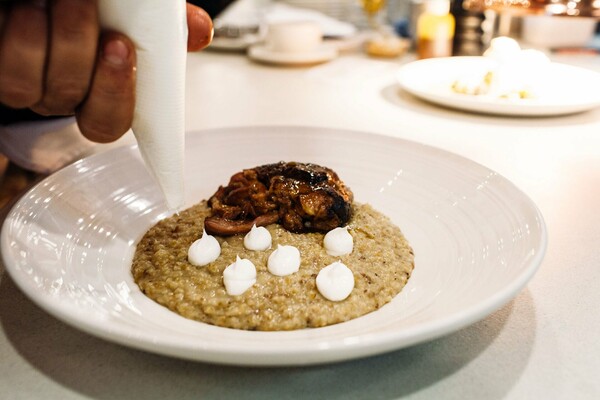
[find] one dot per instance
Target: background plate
(569, 89)
(68, 243)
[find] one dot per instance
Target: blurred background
(557, 25)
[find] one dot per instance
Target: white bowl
(69, 242)
(552, 31)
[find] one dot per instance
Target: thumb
(200, 28)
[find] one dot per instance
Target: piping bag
(158, 28)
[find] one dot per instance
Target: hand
(55, 60)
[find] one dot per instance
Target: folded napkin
(330, 26)
(158, 29)
(242, 14)
(245, 13)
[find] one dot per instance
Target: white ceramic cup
(293, 37)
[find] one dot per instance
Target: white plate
(323, 53)
(68, 243)
(570, 89)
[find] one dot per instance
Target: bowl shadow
(102, 370)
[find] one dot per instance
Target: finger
(107, 112)
(200, 28)
(72, 53)
(23, 54)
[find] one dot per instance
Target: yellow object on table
(435, 30)
(372, 6)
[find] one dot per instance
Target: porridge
(381, 262)
(275, 298)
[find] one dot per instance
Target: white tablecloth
(542, 345)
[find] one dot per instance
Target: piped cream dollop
(258, 239)
(338, 242)
(239, 276)
(204, 250)
(285, 260)
(335, 282)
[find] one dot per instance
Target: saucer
(323, 53)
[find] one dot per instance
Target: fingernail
(115, 52)
(206, 40)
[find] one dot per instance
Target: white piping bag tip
(158, 29)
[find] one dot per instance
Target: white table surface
(542, 345)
